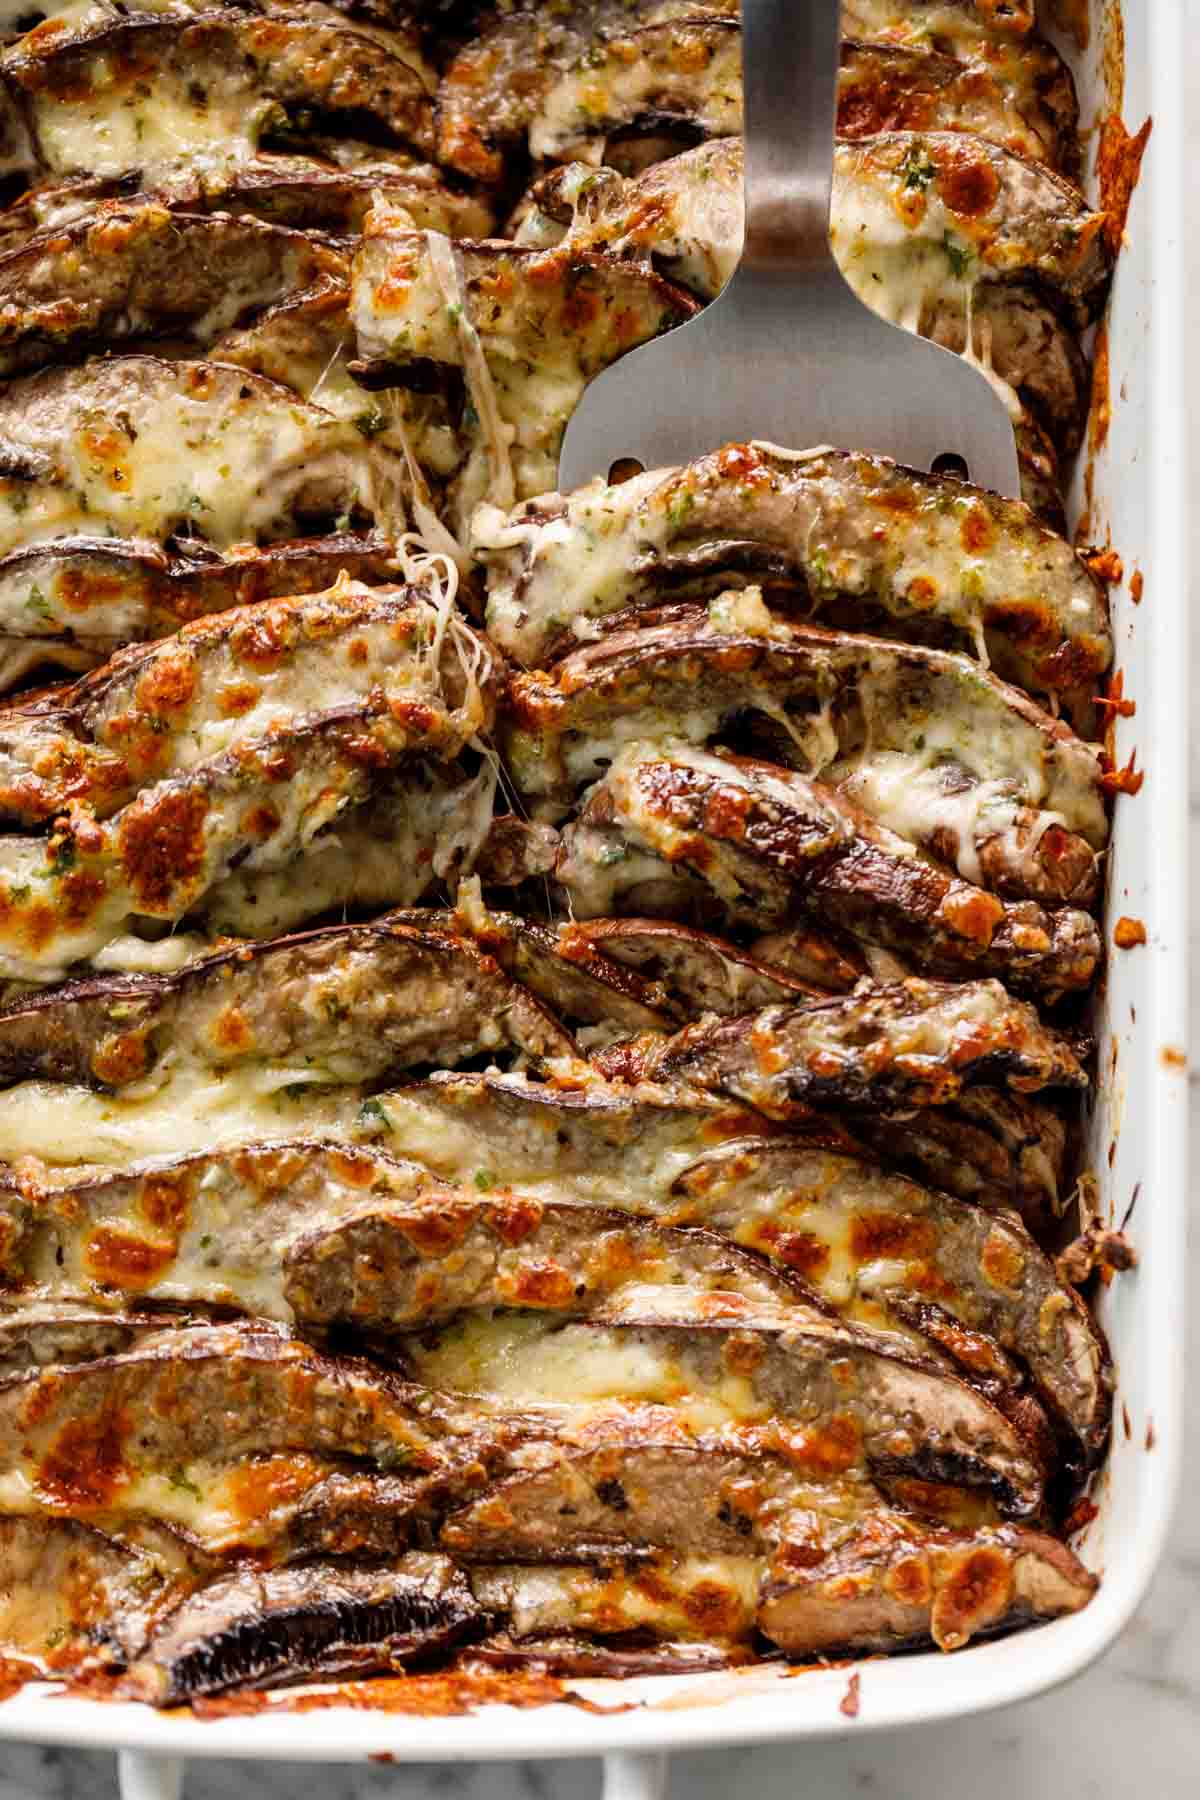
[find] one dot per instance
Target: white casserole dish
(1139, 501)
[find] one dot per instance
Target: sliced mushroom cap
(831, 1399)
(216, 1226)
(1021, 97)
(966, 211)
(1033, 352)
(629, 1496)
(874, 545)
(140, 271)
(912, 1042)
(349, 1003)
(821, 959)
(892, 1588)
(682, 76)
(73, 897)
(605, 1143)
(921, 740)
(226, 751)
(328, 1234)
(683, 216)
(304, 1402)
(989, 1144)
(161, 463)
(576, 980)
(588, 1141)
(47, 1332)
(694, 972)
(304, 193)
(76, 600)
(391, 1268)
(256, 1629)
(631, 975)
(306, 342)
(768, 844)
(495, 86)
(74, 1598)
(240, 1437)
(897, 1591)
(883, 1250)
(683, 80)
(310, 195)
(166, 709)
(422, 826)
(218, 80)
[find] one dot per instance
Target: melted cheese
(144, 449)
(608, 1602)
(563, 565)
(191, 1109)
(169, 106)
(331, 651)
(131, 955)
(932, 748)
(903, 264)
(692, 70)
(908, 794)
(921, 22)
(110, 128)
(518, 1360)
(337, 656)
(385, 854)
(73, 15)
(539, 1149)
(222, 1243)
(42, 936)
(214, 1505)
(527, 332)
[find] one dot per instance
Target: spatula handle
(790, 55)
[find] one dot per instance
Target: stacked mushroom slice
(541, 1034)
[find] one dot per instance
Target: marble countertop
(1130, 1725)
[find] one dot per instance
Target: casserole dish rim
(1150, 1116)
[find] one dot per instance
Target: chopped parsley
(958, 255)
(918, 170)
(820, 580)
(680, 507)
(37, 603)
(395, 1456)
(61, 853)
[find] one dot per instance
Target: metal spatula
(787, 352)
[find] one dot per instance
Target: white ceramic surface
(1133, 1724)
